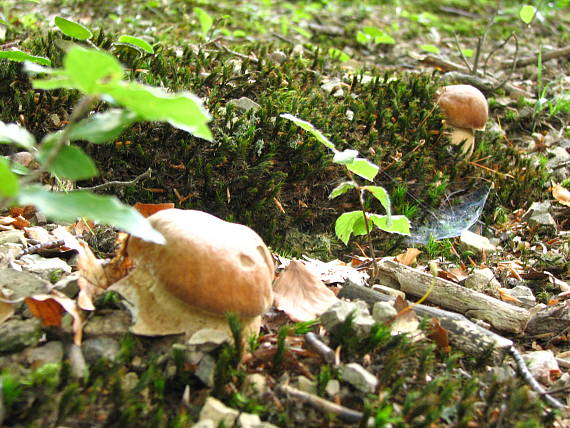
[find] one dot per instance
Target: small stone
(78, 366)
(389, 291)
(129, 381)
(100, 347)
(206, 423)
(244, 104)
(14, 236)
(338, 313)
(524, 294)
(476, 242)
(22, 284)
(248, 420)
(359, 377)
(50, 353)
(218, 412)
(383, 312)
(255, 384)
(306, 385)
(332, 388)
(206, 370)
(483, 280)
(208, 339)
(110, 322)
(539, 215)
(45, 268)
(16, 335)
(278, 57)
(543, 366)
(68, 285)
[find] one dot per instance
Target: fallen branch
(533, 383)
(449, 295)
(320, 347)
(343, 413)
(465, 335)
(102, 186)
(521, 62)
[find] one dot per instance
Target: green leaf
(341, 189)
(310, 128)
(345, 157)
(527, 13)
(364, 168)
(338, 54)
(467, 53)
(91, 71)
(72, 29)
(71, 162)
(374, 35)
(380, 193)
(349, 223)
(103, 127)
(398, 224)
(135, 41)
(9, 184)
(182, 109)
(15, 167)
(14, 134)
(19, 56)
(108, 210)
(205, 20)
(430, 48)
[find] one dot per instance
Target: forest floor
(489, 343)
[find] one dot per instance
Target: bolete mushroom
(466, 110)
(206, 268)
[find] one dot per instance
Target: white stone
(359, 377)
(382, 312)
(476, 242)
(483, 280)
(244, 104)
(218, 412)
(206, 370)
(255, 384)
(332, 388)
(306, 385)
(339, 312)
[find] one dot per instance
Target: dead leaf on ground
(38, 233)
(335, 271)
(93, 280)
(300, 294)
(506, 297)
(50, 308)
(6, 309)
(561, 194)
(440, 336)
(120, 265)
(149, 209)
(409, 257)
(406, 320)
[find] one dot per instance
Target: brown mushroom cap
(208, 263)
(464, 106)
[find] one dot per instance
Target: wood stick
(521, 62)
(465, 335)
(343, 413)
(449, 295)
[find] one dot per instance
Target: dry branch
(449, 295)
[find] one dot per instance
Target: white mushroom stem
(465, 137)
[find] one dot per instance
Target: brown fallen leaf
(49, 308)
(93, 280)
(409, 257)
(300, 294)
(506, 297)
(6, 309)
(440, 336)
(406, 320)
(149, 209)
(561, 194)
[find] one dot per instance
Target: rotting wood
(465, 335)
(449, 295)
(545, 56)
(550, 321)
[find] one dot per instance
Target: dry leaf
(506, 297)
(440, 336)
(409, 257)
(93, 279)
(149, 209)
(38, 233)
(120, 265)
(6, 309)
(335, 271)
(300, 294)
(406, 320)
(561, 194)
(49, 308)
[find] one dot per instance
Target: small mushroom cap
(464, 106)
(208, 263)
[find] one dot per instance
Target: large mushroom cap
(464, 106)
(206, 268)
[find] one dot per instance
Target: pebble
(359, 377)
(100, 347)
(337, 314)
(16, 335)
(218, 412)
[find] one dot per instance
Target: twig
(504, 82)
(528, 378)
(41, 246)
(343, 413)
(521, 62)
(483, 38)
(461, 53)
(320, 347)
(145, 174)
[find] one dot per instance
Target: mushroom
(466, 110)
(207, 268)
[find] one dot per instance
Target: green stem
(368, 234)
